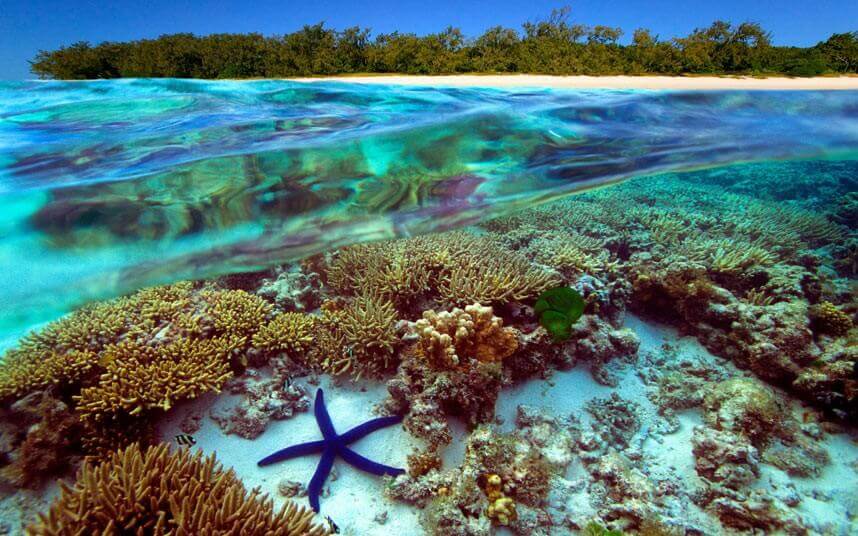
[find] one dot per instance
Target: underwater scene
(286, 308)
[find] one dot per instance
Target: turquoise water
(108, 186)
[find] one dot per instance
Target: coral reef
(162, 492)
(827, 318)
(46, 435)
(746, 407)
(118, 364)
(503, 480)
(286, 332)
(359, 338)
(458, 267)
(264, 400)
(454, 338)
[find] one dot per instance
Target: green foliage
(558, 309)
(555, 45)
(593, 528)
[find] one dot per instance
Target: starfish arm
(319, 477)
(365, 464)
(369, 427)
(323, 419)
(294, 451)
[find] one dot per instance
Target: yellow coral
(236, 312)
(286, 332)
(450, 339)
(160, 492)
(501, 508)
(829, 319)
(139, 377)
(358, 339)
(22, 372)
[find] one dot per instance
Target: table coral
(161, 492)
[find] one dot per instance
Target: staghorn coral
(493, 279)
(359, 339)
(287, 332)
(827, 318)
(138, 378)
(24, 371)
(161, 492)
(453, 338)
(118, 363)
(235, 312)
(457, 267)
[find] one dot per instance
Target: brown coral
(161, 492)
(827, 318)
(461, 267)
(140, 377)
(451, 339)
(358, 339)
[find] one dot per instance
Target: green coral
(558, 309)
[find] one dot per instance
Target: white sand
(356, 498)
(604, 82)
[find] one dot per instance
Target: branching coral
(493, 279)
(139, 377)
(358, 339)
(287, 332)
(461, 267)
(117, 362)
(452, 339)
(161, 492)
(235, 312)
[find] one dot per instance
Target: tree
(841, 52)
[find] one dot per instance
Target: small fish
(186, 440)
(333, 526)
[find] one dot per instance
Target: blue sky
(29, 25)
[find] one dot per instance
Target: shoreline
(602, 82)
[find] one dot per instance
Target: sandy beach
(605, 82)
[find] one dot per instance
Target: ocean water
(712, 234)
(110, 186)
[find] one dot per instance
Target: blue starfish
(334, 445)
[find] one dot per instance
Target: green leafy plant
(558, 309)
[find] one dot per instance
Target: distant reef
(555, 45)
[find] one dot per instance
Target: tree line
(555, 45)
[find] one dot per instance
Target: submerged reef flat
(710, 386)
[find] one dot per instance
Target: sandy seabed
(606, 82)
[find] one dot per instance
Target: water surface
(107, 186)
